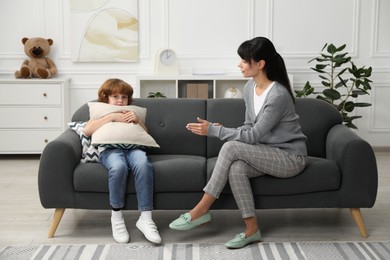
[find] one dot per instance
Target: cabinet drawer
(30, 117)
(30, 94)
(25, 141)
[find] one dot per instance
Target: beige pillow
(118, 134)
(100, 109)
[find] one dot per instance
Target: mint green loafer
(240, 240)
(184, 222)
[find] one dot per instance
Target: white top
(258, 101)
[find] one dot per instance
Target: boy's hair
(115, 86)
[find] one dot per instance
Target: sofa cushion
(166, 121)
(319, 175)
(178, 173)
(172, 173)
(230, 113)
(90, 177)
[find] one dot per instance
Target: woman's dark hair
(260, 48)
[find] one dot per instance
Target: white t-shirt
(258, 101)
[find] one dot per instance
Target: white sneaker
(149, 229)
(119, 231)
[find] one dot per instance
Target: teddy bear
(38, 65)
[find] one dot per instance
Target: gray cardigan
(276, 123)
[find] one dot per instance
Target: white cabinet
(33, 112)
(175, 86)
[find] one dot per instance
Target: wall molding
(194, 54)
(375, 52)
(355, 35)
(373, 112)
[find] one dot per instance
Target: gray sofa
(341, 170)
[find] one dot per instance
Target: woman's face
(248, 69)
(118, 99)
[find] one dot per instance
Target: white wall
(206, 34)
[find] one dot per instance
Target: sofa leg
(58, 213)
(357, 216)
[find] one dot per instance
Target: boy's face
(118, 99)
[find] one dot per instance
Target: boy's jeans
(118, 162)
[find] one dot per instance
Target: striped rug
(265, 250)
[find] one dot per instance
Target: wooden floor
(23, 221)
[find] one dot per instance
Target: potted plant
(342, 80)
(156, 95)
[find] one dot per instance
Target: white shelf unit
(175, 86)
(33, 112)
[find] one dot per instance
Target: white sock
(117, 215)
(146, 216)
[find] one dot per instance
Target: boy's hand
(129, 117)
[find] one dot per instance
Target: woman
(270, 141)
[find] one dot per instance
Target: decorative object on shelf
(156, 95)
(198, 90)
(39, 65)
(166, 62)
(233, 92)
(331, 66)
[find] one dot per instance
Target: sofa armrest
(55, 176)
(357, 162)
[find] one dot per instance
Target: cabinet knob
(44, 94)
(45, 117)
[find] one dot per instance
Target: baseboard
(381, 149)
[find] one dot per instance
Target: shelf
(176, 86)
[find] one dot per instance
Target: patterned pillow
(90, 153)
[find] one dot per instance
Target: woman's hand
(200, 128)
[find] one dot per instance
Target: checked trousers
(238, 162)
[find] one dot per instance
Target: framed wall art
(104, 30)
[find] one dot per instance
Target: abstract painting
(104, 30)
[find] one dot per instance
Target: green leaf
(362, 104)
(325, 83)
(339, 84)
(321, 66)
(350, 125)
(331, 49)
(332, 94)
(323, 48)
(368, 72)
(306, 91)
(366, 85)
(354, 117)
(342, 55)
(341, 72)
(342, 47)
(323, 77)
(349, 106)
(361, 91)
(319, 71)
